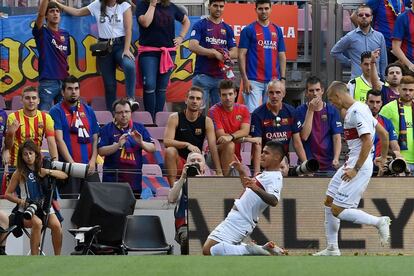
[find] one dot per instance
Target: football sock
(226, 249)
(358, 216)
(331, 228)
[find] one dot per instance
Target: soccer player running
(350, 181)
(260, 192)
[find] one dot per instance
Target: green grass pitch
(199, 265)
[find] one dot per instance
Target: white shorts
(233, 229)
(348, 194)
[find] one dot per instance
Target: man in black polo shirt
(185, 133)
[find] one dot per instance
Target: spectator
(261, 55)
(185, 133)
(212, 40)
(231, 124)
(179, 194)
(321, 127)
(3, 123)
(275, 120)
(400, 113)
(28, 123)
(53, 48)
(122, 142)
(26, 182)
(4, 223)
(114, 20)
(393, 75)
(374, 102)
(359, 86)
(403, 39)
(384, 13)
(76, 131)
(349, 48)
(157, 48)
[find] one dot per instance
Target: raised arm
(41, 13)
(74, 11)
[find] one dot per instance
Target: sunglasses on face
(364, 14)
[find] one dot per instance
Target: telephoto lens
(30, 211)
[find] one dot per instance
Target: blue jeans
(107, 67)
(154, 83)
(210, 87)
(257, 96)
(49, 90)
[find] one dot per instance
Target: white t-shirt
(111, 25)
(250, 205)
(358, 121)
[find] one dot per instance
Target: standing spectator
(53, 48)
(122, 142)
(185, 133)
(403, 38)
(114, 21)
(28, 123)
(212, 40)
(374, 102)
(393, 74)
(157, 48)
(359, 86)
(231, 124)
(275, 120)
(76, 131)
(261, 55)
(349, 48)
(321, 127)
(384, 13)
(401, 112)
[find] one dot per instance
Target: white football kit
(358, 121)
(241, 222)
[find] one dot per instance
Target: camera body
(78, 170)
(307, 167)
(395, 167)
(193, 169)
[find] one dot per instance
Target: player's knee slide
(217, 250)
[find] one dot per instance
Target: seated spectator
(359, 86)
(400, 113)
(275, 120)
(393, 75)
(231, 124)
(31, 123)
(27, 182)
(374, 102)
(179, 194)
(76, 131)
(122, 142)
(321, 127)
(185, 133)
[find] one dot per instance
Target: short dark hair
(364, 55)
(52, 5)
(29, 88)
(195, 88)
(312, 80)
(374, 92)
(212, 1)
(226, 84)
(122, 101)
(259, 2)
(277, 146)
(364, 6)
(394, 64)
(69, 79)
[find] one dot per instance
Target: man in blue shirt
(364, 38)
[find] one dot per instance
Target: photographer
(195, 165)
(26, 182)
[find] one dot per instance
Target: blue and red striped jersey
(404, 31)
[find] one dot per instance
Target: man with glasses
(28, 123)
(122, 142)
(349, 48)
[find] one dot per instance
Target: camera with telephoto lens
(395, 166)
(31, 210)
(78, 170)
(307, 167)
(193, 169)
